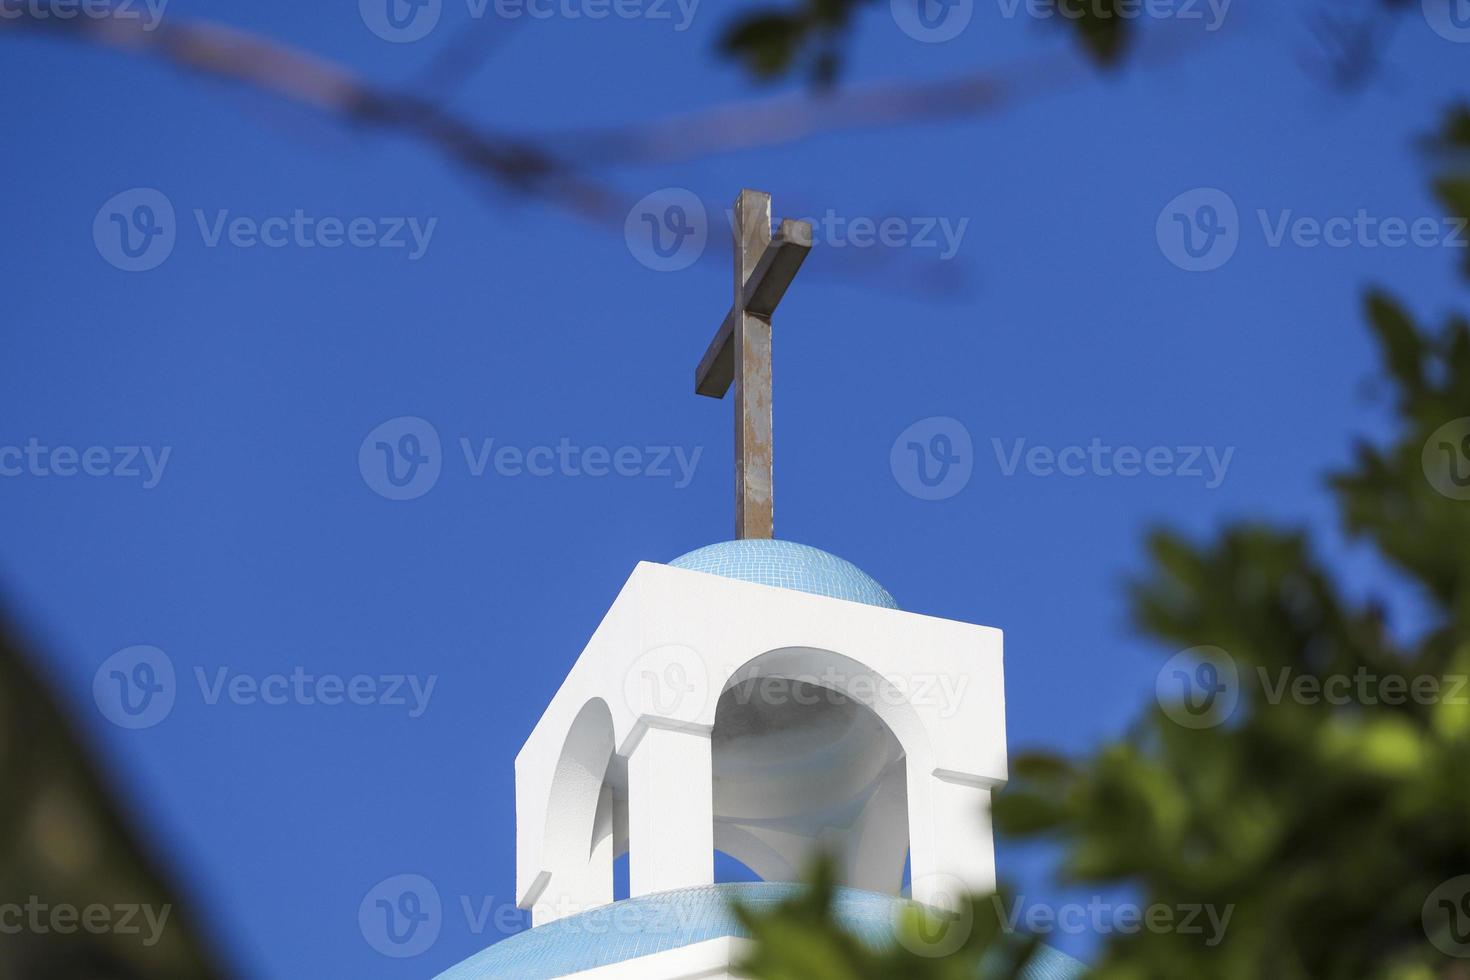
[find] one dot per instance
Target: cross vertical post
(740, 353)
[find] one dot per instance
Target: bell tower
(757, 697)
(768, 700)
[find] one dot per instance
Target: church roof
(787, 565)
(668, 920)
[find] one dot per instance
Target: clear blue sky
(262, 549)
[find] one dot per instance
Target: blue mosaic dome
(788, 565)
(668, 920)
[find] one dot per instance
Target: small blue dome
(787, 565)
(668, 920)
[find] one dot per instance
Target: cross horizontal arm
(763, 291)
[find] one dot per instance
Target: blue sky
(261, 549)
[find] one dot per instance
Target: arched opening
(803, 764)
(580, 841)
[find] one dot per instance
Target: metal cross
(741, 350)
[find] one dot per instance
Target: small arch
(577, 843)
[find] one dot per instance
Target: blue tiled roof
(787, 565)
(668, 920)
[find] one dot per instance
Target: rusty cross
(741, 350)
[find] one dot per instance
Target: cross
(741, 350)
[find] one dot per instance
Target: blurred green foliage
(808, 35)
(797, 940)
(1328, 824)
(79, 896)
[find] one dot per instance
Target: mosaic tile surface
(788, 565)
(654, 923)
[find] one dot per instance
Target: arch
(577, 841)
(845, 675)
(810, 754)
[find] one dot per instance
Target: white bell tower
(717, 712)
(756, 697)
